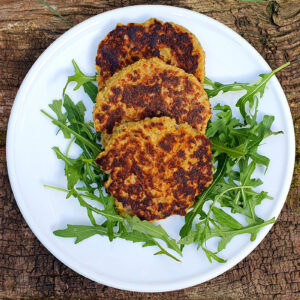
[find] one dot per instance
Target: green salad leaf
(235, 148)
(156, 231)
(81, 232)
(85, 180)
(234, 190)
(253, 90)
(82, 80)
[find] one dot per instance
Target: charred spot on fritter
(181, 154)
(156, 167)
(170, 42)
(114, 118)
(167, 142)
(157, 90)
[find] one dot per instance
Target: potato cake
(156, 167)
(151, 88)
(129, 43)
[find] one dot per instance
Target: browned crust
(156, 167)
(150, 88)
(170, 42)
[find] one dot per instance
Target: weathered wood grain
(27, 269)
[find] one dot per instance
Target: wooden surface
(27, 269)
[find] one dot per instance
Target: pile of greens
(235, 145)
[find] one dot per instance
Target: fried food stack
(153, 111)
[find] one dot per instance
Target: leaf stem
(246, 228)
(56, 13)
(220, 175)
(85, 204)
(69, 146)
(163, 251)
(56, 188)
(242, 187)
(229, 151)
(78, 136)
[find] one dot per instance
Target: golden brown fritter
(156, 167)
(170, 42)
(151, 88)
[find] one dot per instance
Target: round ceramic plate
(32, 163)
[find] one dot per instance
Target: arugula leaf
(163, 251)
(237, 141)
(80, 232)
(75, 111)
(82, 80)
(190, 216)
(252, 89)
(251, 229)
(203, 233)
(155, 231)
(91, 90)
(73, 168)
(109, 214)
(137, 236)
(86, 142)
(225, 233)
(76, 115)
(235, 146)
(218, 87)
(109, 209)
(234, 152)
(86, 180)
(210, 255)
(223, 218)
(139, 231)
(56, 106)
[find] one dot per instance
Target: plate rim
(179, 284)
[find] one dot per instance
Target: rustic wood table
(28, 270)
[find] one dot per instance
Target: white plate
(31, 162)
